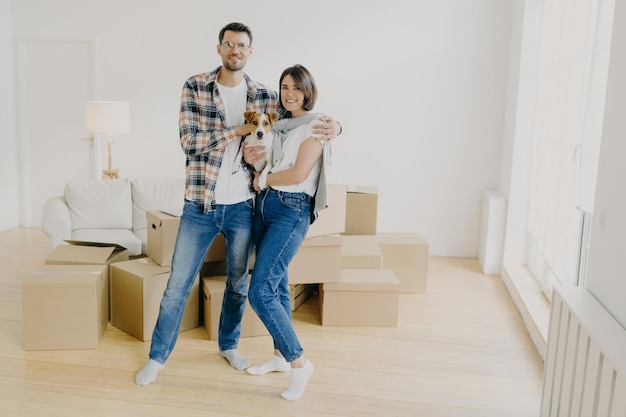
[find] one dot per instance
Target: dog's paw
(235, 170)
(262, 182)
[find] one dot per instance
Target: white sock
(299, 378)
(275, 364)
(149, 373)
(236, 359)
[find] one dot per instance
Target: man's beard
(232, 67)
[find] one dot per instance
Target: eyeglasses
(229, 46)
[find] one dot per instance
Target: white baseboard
(531, 303)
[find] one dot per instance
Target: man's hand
(252, 154)
(327, 130)
(243, 130)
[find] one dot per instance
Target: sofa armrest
(55, 220)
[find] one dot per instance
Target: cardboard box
(363, 297)
(137, 287)
(213, 296)
(297, 289)
(86, 253)
(213, 269)
(162, 232)
(252, 259)
(318, 260)
(361, 251)
(406, 254)
(332, 219)
(217, 251)
(361, 210)
(65, 307)
(300, 293)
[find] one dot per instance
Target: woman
(283, 212)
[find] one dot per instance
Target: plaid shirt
(203, 136)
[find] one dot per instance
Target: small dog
(261, 135)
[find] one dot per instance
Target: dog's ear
(248, 116)
(273, 117)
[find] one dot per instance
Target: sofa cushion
(122, 237)
(156, 194)
(96, 204)
(56, 221)
(142, 235)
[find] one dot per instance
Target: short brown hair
(235, 27)
(304, 80)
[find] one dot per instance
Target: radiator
(584, 371)
(492, 225)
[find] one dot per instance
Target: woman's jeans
(196, 232)
(281, 221)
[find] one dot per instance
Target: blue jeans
(281, 221)
(196, 232)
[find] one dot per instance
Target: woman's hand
(255, 181)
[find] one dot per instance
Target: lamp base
(109, 174)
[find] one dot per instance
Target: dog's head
(261, 123)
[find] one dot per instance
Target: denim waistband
(300, 195)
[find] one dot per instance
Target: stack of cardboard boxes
(373, 272)
(357, 272)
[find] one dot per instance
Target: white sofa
(110, 211)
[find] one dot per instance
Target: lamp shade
(107, 117)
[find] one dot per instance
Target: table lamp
(108, 118)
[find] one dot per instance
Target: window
(572, 58)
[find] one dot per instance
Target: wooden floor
(461, 349)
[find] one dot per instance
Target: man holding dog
(216, 200)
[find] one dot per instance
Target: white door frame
(23, 133)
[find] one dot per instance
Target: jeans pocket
(249, 203)
(293, 203)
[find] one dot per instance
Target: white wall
(9, 193)
(418, 86)
(606, 278)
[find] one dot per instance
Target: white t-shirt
(290, 148)
(232, 188)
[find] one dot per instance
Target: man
(211, 125)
